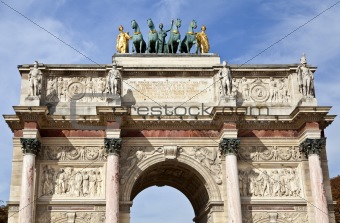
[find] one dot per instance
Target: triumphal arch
(244, 143)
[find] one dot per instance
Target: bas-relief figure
(305, 78)
(113, 80)
(122, 42)
(202, 41)
(35, 80)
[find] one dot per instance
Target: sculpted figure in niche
(122, 43)
(226, 79)
(305, 78)
(113, 80)
(202, 41)
(34, 78)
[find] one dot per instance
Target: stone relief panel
(270, 182)
(44, 216)
(270, 153)
(272, 90)
(74, 153)
(207, 157)
(261, 217)
(71, 182)
(63, 89)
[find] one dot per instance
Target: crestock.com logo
(147, 109)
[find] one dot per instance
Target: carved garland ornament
(30, 145)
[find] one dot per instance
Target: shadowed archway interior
(176, 175)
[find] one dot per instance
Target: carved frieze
(270, 153)
(64, 182)
(269, 182)
(294, 217)
(74, 153)
(269, 90)
(44, 216)
(82, 89)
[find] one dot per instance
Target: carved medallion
(76, 90)
(259, 93)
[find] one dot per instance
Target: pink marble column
(312, 149)
(229, 148)
(318, 191)
(112, 146)
(30, 149)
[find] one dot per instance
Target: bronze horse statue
(139, 44)
(189, 39)
(175, 37)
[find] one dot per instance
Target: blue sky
(238, 30)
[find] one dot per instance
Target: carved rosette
(312, 146)
(229, 146)
(30, 145)
(113, 145)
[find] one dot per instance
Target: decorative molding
(74, 153)
(229, 146)
(270, 153)
(312, 146)
(113, 145)
(30, 145)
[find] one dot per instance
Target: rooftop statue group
(156, 39)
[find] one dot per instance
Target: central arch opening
(191, 181)
(161, 204)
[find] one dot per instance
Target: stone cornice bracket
(229, 146)
(30, 145)
(312, 146)
(113, 145)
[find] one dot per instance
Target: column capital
(312, 146)
(30, 145)
(113, 145)
(229, 146)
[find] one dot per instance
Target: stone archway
(184, 174)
